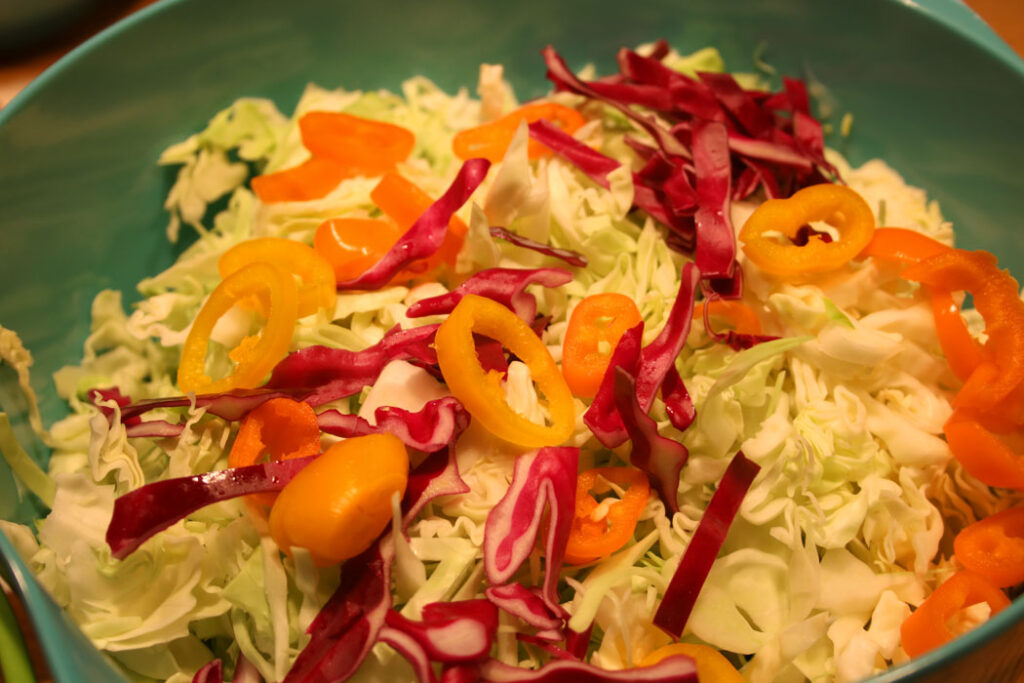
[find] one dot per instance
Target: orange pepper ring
(255, 361)
(837, 205)
(481, 393)
(590, 539)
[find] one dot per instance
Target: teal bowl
(932, 89)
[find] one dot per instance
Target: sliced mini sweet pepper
(997, 298)
(279, 429)
(595, 327)
(481, 393)
(312, 179)
(994, 547)
(371, 147)
(404, 202)
(712, 666)
(837, 205)
(352, 245)
(902, 245)
(740, 316)
(927, 627)
(255, 355)
(984, 454)
(491, 140)
(962, 351)
(316, 289)
(339, 504)
(598, 530)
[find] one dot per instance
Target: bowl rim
(952, 15)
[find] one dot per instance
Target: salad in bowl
(635, 381)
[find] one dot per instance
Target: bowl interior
(82, 194)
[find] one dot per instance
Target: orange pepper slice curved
(339, 504)
(353, 245)
(491, 140)
(255, 356)
(369, 146)
(926, 628)
(712, 666)
(741, 316)
(591, 538)
(279, 429)
(404, 202)
(997, 299)
(837, 205)
(312, 179)
(317, 289)
(994, 547)
(480, 392)
(903, 245)
(595, 327)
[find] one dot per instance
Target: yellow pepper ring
(481, 393)
(254, 356)
(318, 288)
(837, 205)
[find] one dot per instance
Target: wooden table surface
(16, 70)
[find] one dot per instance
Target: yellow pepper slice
(254, 356)
(837, 205)
(711, 664)
(480, 392)
(341, 502)
(317, 289)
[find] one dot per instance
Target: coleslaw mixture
(838, 400)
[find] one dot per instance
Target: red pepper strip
(994, 547)
(963, 352)
(592, 538)
(926, 628)
(903, 245)
(996, 297)
(595, 327)
(983, 453)
(280, 429)
(686, 583)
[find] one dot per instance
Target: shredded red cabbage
(451, 631)
(426, 234)
(431, 428)
(142, 513)
(602, 417)
(409, 647)
(657, 357)
(716, 240)
(507, 286)
(543, 478)
(348, 625)
(660, 457)
(438, 475)
(212, 672)
(738, 140)
(520, 602)
(573, 258)
(678, 404)
(336, 373)
(674, 669)
(686, 583)
(595, 165)
(577, 642)
(547, 644)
